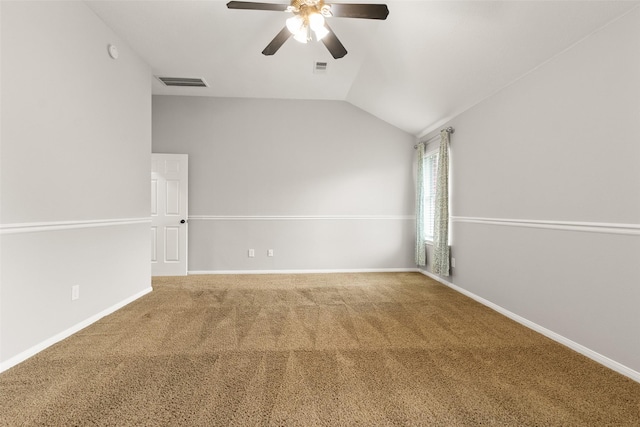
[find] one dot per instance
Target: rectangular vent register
(183, 81)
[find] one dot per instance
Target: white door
(169, 214)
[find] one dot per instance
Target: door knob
(182, 221)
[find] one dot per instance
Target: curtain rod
(448, 130)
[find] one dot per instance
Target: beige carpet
(312, 350)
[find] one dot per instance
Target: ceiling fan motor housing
(308, 7)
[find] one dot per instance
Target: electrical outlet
(252, 253)
(270, 252)
(453, 263)
(75, 292)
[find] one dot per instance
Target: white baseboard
(21, 357)
(593, 355)
(328, 271)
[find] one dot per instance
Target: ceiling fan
(308, 21)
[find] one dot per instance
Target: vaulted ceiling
(429, 61)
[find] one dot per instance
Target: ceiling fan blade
(277, 42)
(332, 43)
(279, 7)
(365, 11)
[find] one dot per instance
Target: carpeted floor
(312, 350)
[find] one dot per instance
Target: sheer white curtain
(421, 257)
(441, 226)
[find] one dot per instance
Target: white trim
(299, 217)
(32, 227)
(592, 227)
(21, 357)
(593, 355)
(327, 271)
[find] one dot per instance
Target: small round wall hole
(113, 51)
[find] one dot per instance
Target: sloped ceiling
(429, 61)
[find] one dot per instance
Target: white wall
(324, 184)
(559, 151)
(76, 143)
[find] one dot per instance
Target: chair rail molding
(299, 217)
(33, 227)
(591, 227)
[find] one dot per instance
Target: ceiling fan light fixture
(295, 24)
(321, 32)
(316, 21)
(307, 18)
(303, 35)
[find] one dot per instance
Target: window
(430, 170)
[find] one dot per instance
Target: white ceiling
(429, 61)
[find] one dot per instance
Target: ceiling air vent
(183, 82)
(320, 67)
